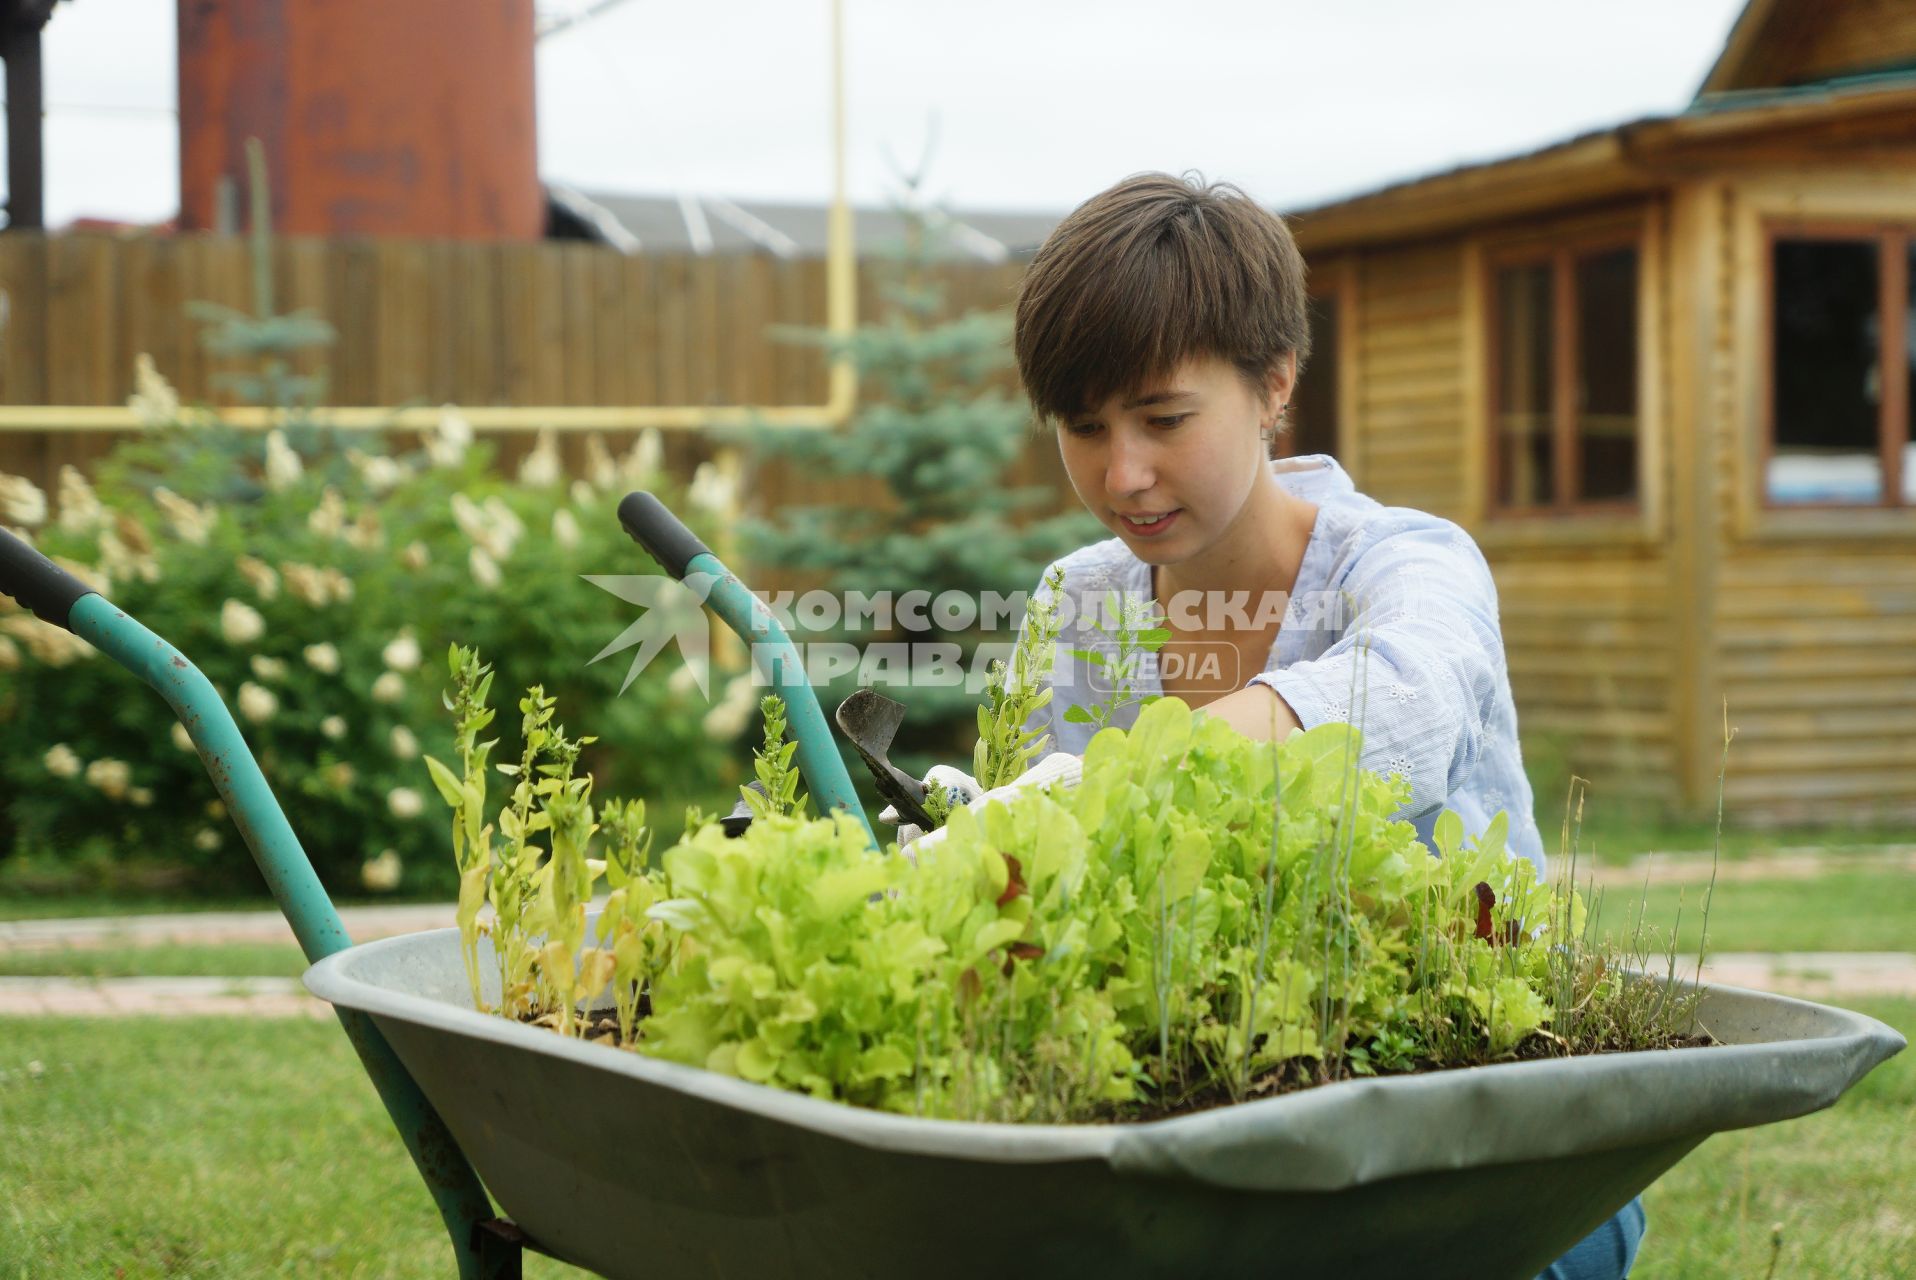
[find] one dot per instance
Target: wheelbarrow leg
(501, 1247)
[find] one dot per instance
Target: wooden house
(1662, 372)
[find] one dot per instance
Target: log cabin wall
(1586, 602)
(1812, 632)
(1408, 448)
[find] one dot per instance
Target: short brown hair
(1151, 272)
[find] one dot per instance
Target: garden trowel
(871, 720)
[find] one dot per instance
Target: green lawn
(24, 906)
(220, 960)
(1843, 911)
(1837, 1184)
(1613, 840)
(214, 1148)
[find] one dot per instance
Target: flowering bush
(305, 572)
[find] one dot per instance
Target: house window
(1314, 406)
(1563, 388)
(1839, 370)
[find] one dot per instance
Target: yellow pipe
(841, 317)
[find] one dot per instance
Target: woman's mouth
(1148, 524)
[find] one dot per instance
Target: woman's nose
(1128, 468)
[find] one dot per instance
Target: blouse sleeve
(1417, 664)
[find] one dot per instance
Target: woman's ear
(1280, 383)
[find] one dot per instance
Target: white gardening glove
(1060, 768)
(960, 789)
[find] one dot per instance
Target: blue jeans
(1606, 1253)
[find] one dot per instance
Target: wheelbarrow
(631, 1166)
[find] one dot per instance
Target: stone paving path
(158, 997)
(363, 924)
(1693, 867)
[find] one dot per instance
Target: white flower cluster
(492, 526)
(542, 468)
(381, 874)
(377, 472)
(260, 576)
(153, 401)
(190, 523)
(111, 778)
(80, 508)
(283, 467)
(328, 518)
(402, 652)
(714, 490)
(21, 502)
(240, 623)
(257, 703)
(639, 469)
(126, 552)
(450, 437)
(315, 586)
(733, 711)
(46, 644)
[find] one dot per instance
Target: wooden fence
(424, 322)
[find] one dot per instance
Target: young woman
(1161, 330)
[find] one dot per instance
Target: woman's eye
(1170, 421)
(1083, 429)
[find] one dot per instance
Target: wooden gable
(1777, 44)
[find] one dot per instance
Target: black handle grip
(654, 527)
(37, 582)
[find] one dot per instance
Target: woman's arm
(1256, 712)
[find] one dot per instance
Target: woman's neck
(1260, 551)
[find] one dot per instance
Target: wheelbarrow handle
(662, 534)
(38, 583)
(680, 553)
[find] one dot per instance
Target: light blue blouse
(1391, 626)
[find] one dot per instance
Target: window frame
(1893, 240)
(1336, 281)
(1567, 441)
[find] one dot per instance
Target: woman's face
(1182, 456)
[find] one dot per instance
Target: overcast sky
(1036, 104)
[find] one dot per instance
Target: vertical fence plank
(478, 312)
(641, 280)
(674, 316)
(611, 355)
(578, 325)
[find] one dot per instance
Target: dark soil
(1298, 1075)
(602, 1027)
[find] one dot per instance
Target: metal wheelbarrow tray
(637, 1167)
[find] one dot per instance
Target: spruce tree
(933, 440)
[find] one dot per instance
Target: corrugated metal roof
(704, 223)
